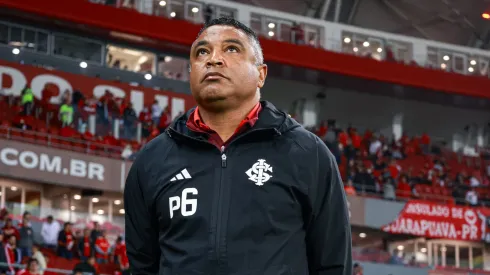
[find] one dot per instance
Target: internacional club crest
(258, 172)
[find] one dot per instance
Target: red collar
(195, 122)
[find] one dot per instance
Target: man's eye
(232, 49)
(201, 51)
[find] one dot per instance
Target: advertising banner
(433, 220)
(54, 166)
(14, 77)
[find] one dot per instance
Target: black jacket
(271, 203)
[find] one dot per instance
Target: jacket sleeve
(142, 243)
(328, 235)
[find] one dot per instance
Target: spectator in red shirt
(9, 230)
(349, 188)
(84, 245)
(403, 189)
(32, 268)
(342, 138)
(12, 253)
(120, 254)
(425, 142)
(102, 248)
(322, 130)
(394, 169)
(356, 139)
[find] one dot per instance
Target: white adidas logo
(182, 175)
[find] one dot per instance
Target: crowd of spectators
(69, 119)
(92, 247)
(371, 164)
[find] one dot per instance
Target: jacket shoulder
(157, 150)
(306, 141)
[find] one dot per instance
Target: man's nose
(215, 60)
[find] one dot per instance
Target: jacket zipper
(219, 206)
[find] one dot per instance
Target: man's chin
(214, 103)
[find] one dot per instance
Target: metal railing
(370, 191)
(55, 141)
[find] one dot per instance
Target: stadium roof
(450, 21)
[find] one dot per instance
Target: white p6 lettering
(187, 206)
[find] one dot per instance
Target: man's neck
(225, 123)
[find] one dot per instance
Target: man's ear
(262, 75)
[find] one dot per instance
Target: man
(87, 267)
(3, 256)
(120, 256)
(66, 241)
(32, 268)
(102, 248)
(12, 254)
(235, 186)
(26, 240)
(85, 245)
(49, 232)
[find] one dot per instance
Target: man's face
(224, 70)
(34, 266)
(12, 240)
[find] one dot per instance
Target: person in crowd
(95, 233)
(10, 230)
(3, 256)
(298, 34)
(66, 113)
(103, 112)
(357, 269)
(396, 257)
(27, 99)
(87, 267)
(165, 119)
(13, 254)
(4, 215)
(66, 242)
(102, 248)
(349, 188)
(49, 232)
(32, 268)
(120, 256)
(127, 152)
(26, 234)
(156, 112)
(38, 255)
(471, 197)
(84, 245)
(129, 121)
